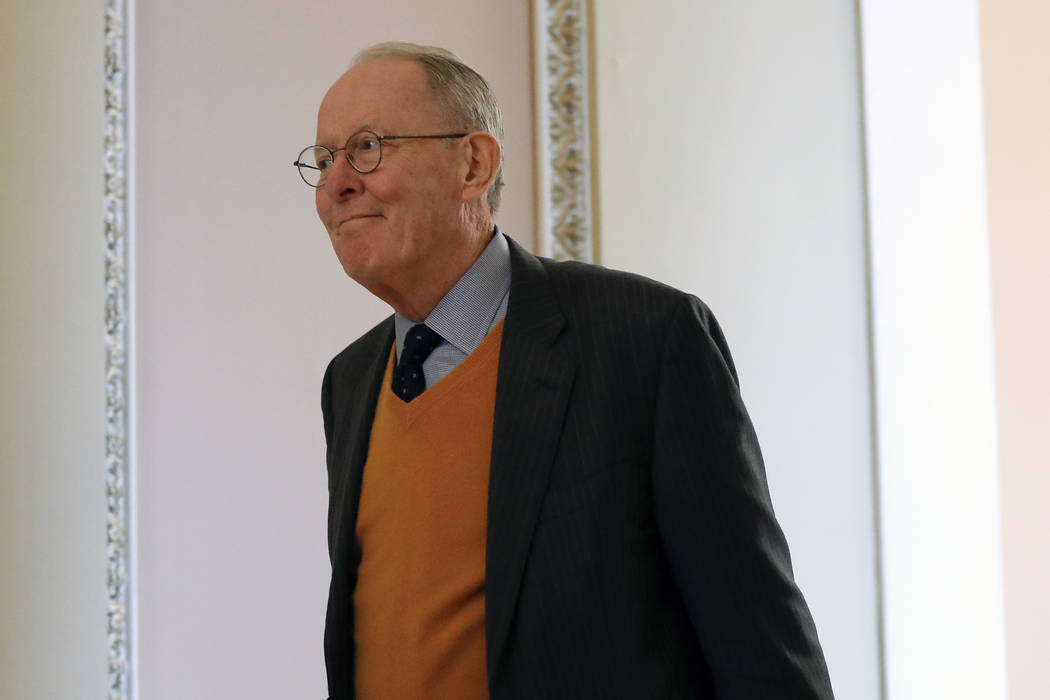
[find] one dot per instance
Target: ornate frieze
(563, 131)
(116, 340)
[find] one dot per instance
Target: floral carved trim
(116, 340)
(563, 87)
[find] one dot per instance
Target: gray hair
(461, 92)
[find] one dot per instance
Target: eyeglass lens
(364, 150)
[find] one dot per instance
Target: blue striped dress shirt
(466, 314)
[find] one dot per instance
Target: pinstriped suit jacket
(632, 550)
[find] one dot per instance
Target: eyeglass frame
(345, 149)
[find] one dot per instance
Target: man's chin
(361, 271)
(357, 273)
(355, 255)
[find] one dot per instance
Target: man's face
(387, 225)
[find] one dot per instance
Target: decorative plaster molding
(566, 222)
(116, 339)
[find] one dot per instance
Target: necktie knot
(419, 343)
(408, 375)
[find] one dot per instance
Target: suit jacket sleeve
(716, 522)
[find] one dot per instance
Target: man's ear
(483, 160)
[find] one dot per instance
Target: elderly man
(543, 482)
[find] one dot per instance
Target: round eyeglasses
(364, 151)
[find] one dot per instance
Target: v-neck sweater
(419, 603)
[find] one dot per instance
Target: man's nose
(341, 180)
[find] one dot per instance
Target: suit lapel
(356, 383)
(534, 383)
(357, 416)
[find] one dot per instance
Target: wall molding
(115, 168)
(565, 220)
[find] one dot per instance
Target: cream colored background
(52, 410)
(241, 302)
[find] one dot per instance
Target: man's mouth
(355, 218)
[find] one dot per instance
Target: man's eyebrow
(364, 127)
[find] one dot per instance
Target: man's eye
(324, 163)
(367, 144)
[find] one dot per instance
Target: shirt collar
(466, 314)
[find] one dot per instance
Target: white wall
(241, 303)
(730, 152)
(932, 332)
(1016, 58)
(52, 422)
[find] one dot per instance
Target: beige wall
(1017, 114)
(241, 303)
(52, 419)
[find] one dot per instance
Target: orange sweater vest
(419, 604)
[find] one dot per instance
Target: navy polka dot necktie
(408, 375)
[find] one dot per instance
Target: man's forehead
(373, 92)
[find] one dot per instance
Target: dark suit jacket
(632, 550)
